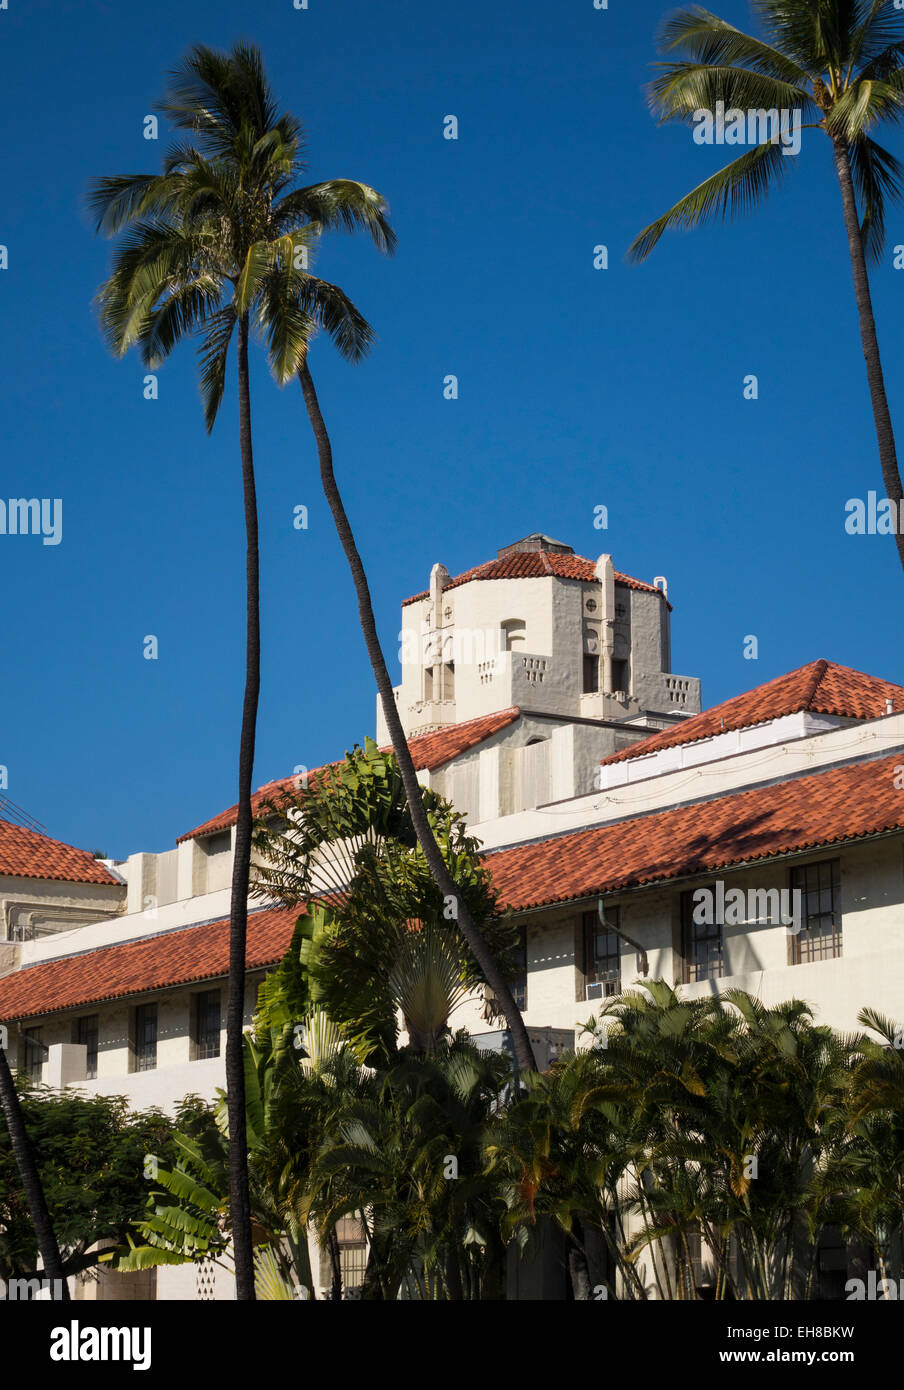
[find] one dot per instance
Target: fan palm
(380, 941)
(204, 246)
(840, 64)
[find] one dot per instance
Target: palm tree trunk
(888, 460)
(239, 1200)
(24, 1155)
(426, 840)
(578, 1269)
(335, 1266)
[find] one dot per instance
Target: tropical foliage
(697, 1148)
(377, 940)
(91, 1157)
(216, 246)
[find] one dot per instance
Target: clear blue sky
(578, 387)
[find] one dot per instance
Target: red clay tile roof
(822, 808)
(175, 957)
(537, 564)
(804, 813)
(26, 854)
(821, 687)
(427, 750)
(432, 750)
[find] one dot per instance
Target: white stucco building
(537, 694)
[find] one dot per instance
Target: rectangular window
(144, 1038)
(591, 673)
(820, 935)
(428, 683)
(620, 675)
(34, 1053)
(86, 1033)
(519, 987)
(701, 942)
(352, 1251)
(602, 955)
(205, 1025)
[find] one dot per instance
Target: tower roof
(515, 562)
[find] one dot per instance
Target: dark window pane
(207, 1025)
(34, 1053)
(603, 955)
(701, 943)
(86, 1033)
(145, 1038)
(820, 889)
(519, 987)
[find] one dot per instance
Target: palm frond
(741, 185)
(878, 178)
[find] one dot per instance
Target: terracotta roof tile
(427, 750)
(821, 687)
(170, 958)
(822, 808)
(433, 750)
(537, 564)
(27, 854)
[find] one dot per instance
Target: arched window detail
(514, 633)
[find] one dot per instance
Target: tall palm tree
(24, 1155)
(192, 260)
(292, 306)
(840, 63)
(426, 839)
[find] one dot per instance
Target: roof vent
(531, 544)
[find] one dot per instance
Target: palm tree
(837, 62)
(455, 905)
(291, 306)
(380, 942)
(192, 260)
(24, 1154)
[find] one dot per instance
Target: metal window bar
(145, 1045)
(207, 1027)
(820, 935)
(35, 1052)
(701, 945)
(603, 952)
(87, 1032)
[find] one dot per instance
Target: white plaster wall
(759, 762)
(55, 906)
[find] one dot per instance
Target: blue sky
(577, 387)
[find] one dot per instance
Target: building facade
(756, 845)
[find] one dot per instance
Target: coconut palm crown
(836, 66)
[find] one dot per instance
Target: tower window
(514, 633)
(620, 676)
(591, 673)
